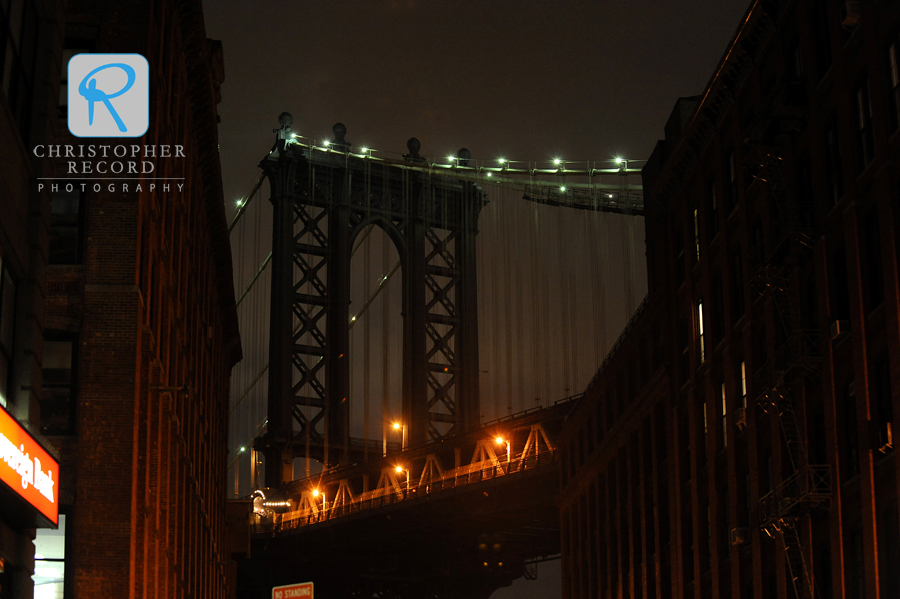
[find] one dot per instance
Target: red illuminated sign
(303, 590)
(27, 469)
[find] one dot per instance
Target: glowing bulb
(294, 135)
(450, 158)
(326, 143)
(499, 440)
(352, 319)
(243, 449)
(399, 468)
(365, 150)
(563, 188)
(490, 174)
(556, 161)
(315, 492)
(620, 160)
(609, 195)
(501, 160)
(396, 426)
(239, 202)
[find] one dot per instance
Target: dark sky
(525, 80)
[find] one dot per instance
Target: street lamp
(401, 426)
(399, 470)
(501, 441)
(316, 493)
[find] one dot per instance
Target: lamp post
(399, 426)
(316, 493)
(400, 469)
(501, 441)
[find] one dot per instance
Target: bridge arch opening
(376, 342)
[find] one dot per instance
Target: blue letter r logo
(90, 92)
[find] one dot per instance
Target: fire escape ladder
(790, 428)
(791, 232)
(796, 563)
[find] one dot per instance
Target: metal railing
(807, 487)
(384, 497)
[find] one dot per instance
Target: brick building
(738, 440)
(140, 332)
(30, 42)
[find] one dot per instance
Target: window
(841, 286)
(713, 214)
(737, 285)
(724, 415)
(65, 227)
(743, 384)
(817, 440)
(59, 382)
(883, 408)
(718, 308)
(874, 272)
(833, 165)
(18, 48)
(856, 578)
(796, 58)
(894, 85)
(71, 47)
(679, 255)
(700, 329)
(851, 434)
(50, 561)
(865, 134)
(731, 196)
(821, 41)
(805, 195)
(7, 329)
(685, 352)
(697, 234)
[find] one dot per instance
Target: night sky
(524, 80)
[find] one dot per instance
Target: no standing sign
(300, 590)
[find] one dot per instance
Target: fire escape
(779, 382)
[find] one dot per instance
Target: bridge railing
(464, 476)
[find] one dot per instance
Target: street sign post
(300, 590)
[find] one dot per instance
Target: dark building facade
(739, 440)
(125, 327)
(30, 41)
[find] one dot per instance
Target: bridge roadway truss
(455, 518)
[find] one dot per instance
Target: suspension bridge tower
(323, 198)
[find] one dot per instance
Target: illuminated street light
(401, 469)
(501, 441)
(397, 426)
(556, 161)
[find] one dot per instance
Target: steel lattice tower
(322, 200)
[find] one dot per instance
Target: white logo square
(109, 95)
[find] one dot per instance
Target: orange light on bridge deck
(399, 469)
(499, 440)
(396, 426)
(315, 492)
